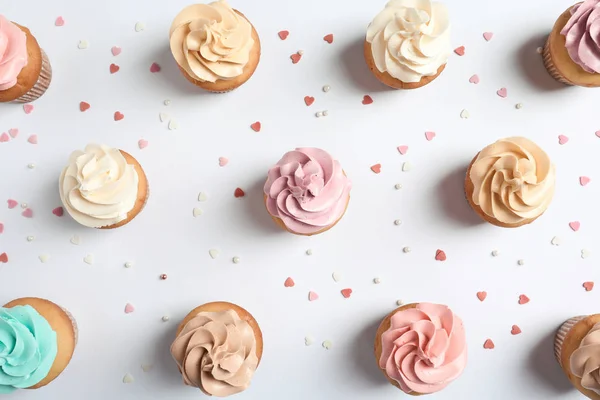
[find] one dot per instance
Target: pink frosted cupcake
(421, 348)
(307, 192)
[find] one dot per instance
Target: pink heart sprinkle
(402, 149)
(460, 50)
(515, 330)
(27, 213)
(584, 180)
(488, 36)
(12, 203)
(481, 295)
(58, 211)
(429, 135)
(523, 299)
(223, 161)
(312, 296)
(116, 50)
(474, 79)
(502, 92)
(575, 225)
(59, 21)
(562, 139)
(488, 344)
(154, 68)
(33, 139)
(129, 308)
(588, 286)
(4, 137)
(289, 282)
(1, 227)
(28, 108)
(598, 134)
(142, 144)
(14, 132)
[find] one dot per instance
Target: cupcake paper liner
(561, 334)
(74, 322)
(42, 83)
(549, 64)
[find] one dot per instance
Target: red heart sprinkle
(376, 168)
(309, 100)
(119, 116)
(83, 106)
(328, 38)
(3, 258)
(27, 213)
(154, 68)
(58, 211)
(12, 203)
(239, 193)
(346, 292)
(515, 330)
(367, 100)
(289, 282)
(488, 344)
(481, 295)
(588, 286)
(460, 50)
(256, 126)
(295, 58)
(114, 68)
(283, 35)
(523, 299)
(440, 255)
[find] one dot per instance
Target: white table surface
(166, 238)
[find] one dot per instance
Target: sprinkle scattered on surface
(502, 92)
(584, 180)
(30, 238)
(539, 50)
(147, 367)
(397, 186)
(128, 264)
(327, 344)
(31, 165)
(312, 296)
(488, 344)
(60, 21)
(377, 281)
(376, 168)
(515, 330)
(406, 249)
(213, 253)
(202, 197)
(83, 44)
(163, 277)
(336, 276)
(309, 252)
(440, 255)
(236, 260)
(165, 318)
(167, 102)
(429, 136)
(367, 100)
(585, 253)
(346, 292)
(562, 139)
(89, 259)
(460, 50)
(129, 308)
(518, 106)
(556, 241)
(464, 114)
(289, 282)
(523, 299)
(521, 262)
(575, 225)
(128, 378)
(406, 166)
(283, 34)
(326, 88)
(308, 340)
(140, 26)
(488, 36)
(397, 222)
(482, 295)
(44, 258)
(76, 240)
(588, 286)
(495, 253)
(399, 303)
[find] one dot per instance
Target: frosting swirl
(211, 41)
(424, 349)
(513, 180)
(98, 187)
(585, 361)
(28, 348)
(410, 39)
(308, 190)
(216, 352)
(13, 53)
(582, 33)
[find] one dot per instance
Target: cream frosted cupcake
(307, 191)
(408, 43)
(25, 71)
(218, 348)
(103, 187)
(577, 349)
(572, 52)
(37, 341)
(510, 183)
(215, 46)
(421, 348)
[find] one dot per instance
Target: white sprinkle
(464, 114)
(399, 302)
(327, 344)
(23, 205)
(89, 259)
(397, 222)
(301, 52)
(309, 340)
(202, 196)
(309, 252)
(326, 88)
(398, 186)
(44, 257)
(196, 212)
(167, 102)
(518, 106)
(147, 367)
(325, 113)
(336, 276)
(406, 249)
(165, 318)
(31, 165)
(236, 260)
(585, 253)
(406, 166)
(377, 281)
(128, 264)
(214, 253)
(140, 26)
(83, 44)
(539, 50)
(521, 262)
(75, 240)
(173, 125)
(128, 378)
(556, 241)
(163, 117)
(495, 253)
(30, 238)
(319, 114)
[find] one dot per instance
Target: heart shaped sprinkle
(406, 166)
(309, 340)
(213, 253)
(115, 50)
(142, 144)
(502, 92)
(283, 34)
(460, 50)
(556, 241)
(27, 213)
(89, 259)
(488, 36)
(488, 344)
(223, 161)
(440, 255)
(75, 240)
(4, 137)
(588, 286)
(464, 114)
(256, 126)
(376, 168)
(58, 211)
(1, 227)
(83, 44)
(308, 100)
(597, 134)
(173, 125)
(33, 139)
(474, 79)
(585, 253)
(128, 378)
(584, 180)
(140, 26)
(523, 299)
(12, 203)
(312, 296)
(163, 117)
(367, 100)
(481, 296)
(239, 193)
(196, 212)
(515, 330)
(147, 367)
(402, 149)
(3, 258)
(28, 108)
(346, 292)
(129, 308)
(59, 21)
(154, 68)
(289, 282)
(295, 58)
(83, 106)
(562, 139)
(202, 196)
(328, 38)
(14, 132)
(575, 225)
(327, 344)
(118, 116)
(336, 276)
(429, 135)
(114, 68)
(44, 258)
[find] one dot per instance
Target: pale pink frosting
(13, 53)
(582, 33)
(585, 361)
(308, 190)
(425, 348)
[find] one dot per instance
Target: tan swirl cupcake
(38, 338)
(25, 71)
(218, 348)
(577, 346)
(103, 187)
(572, 51)
(215, 46)
(408, 43)
(510, 183)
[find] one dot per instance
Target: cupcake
(408, 43)
(572, 51)
(217, 349)
(25, 71)
(421, 348)
(37, 341)
(215, 46)
(102, 187)
(307, 192)
(576, 348)
(510, 183)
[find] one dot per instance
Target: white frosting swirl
(410, 39)
(98, 187)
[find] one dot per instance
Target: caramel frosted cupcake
(421, 348)
(25, 71)
(307, 191)
(37, 341)
(103, 187)
(218, 348)
(577, 347)
(572, 52)
(408, 43)
(510, 183)
(215, 46)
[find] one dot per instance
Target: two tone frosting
(28, 348)
(513, 180)
(13, 53)
(424, 349)
(410, 39)
(585, 361)
(216, 352)
(582, 34)
(308, 190)
(211, 41)
(98, 187)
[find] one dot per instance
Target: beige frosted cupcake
(38, 339)
(25, 71)
(572, 51)
(510, 183)
(408, 43)
(103, 187)
(218, 348)
(577, 346)
(215, 46)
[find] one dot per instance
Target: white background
(166, 238)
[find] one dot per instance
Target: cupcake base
(558, 62)
(63, 323)
(389, 80)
